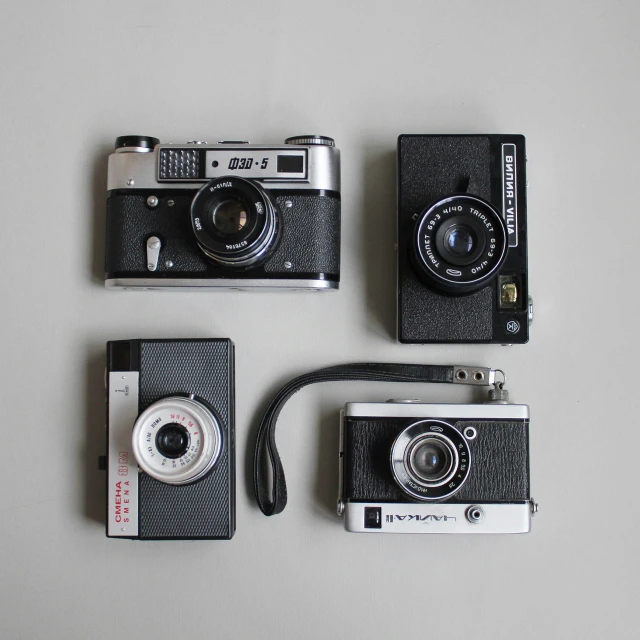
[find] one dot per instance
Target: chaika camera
(414, 467)
(462, 239)
(170, 439)
(232, 215)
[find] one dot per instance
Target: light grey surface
(75, 75)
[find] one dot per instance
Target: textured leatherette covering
(309, 242)
(206, 508)
(429, 168)
(311, 236)
(499, 461)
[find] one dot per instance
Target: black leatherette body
(430, 168)
(499, 469)
(309, 240)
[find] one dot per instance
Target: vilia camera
(462, 239)
(170, 439)
(410, 467)
(234, 215)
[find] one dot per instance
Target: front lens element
(230, 216)
(172, 441)
(460, 240)
(430, 460)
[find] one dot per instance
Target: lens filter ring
(430, 460)
(459, 244)
(235, 221)
(177, 440)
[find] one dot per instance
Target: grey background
(74, 75)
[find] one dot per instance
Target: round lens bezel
(445, 271)
(251, 244)
(205, 440)
(414, 435)
(410, 454)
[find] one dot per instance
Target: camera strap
(372, 372)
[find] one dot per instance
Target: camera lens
(172, 441)
(460, 240)
(230, 216)
(430, 460)
(459, 244)
(177, 440)
(235, 221)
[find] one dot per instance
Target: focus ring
(204, 440)
(415, 435)
(459, 273)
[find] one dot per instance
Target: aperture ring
(451, 273)
(455, 478)
(252, 241)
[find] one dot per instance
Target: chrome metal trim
(440, 518)
(217, 284)
(122, 470)
(154, 245)
(140, 170)
(133, 150)
(479, 376)
(427, 410)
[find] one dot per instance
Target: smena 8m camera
(170, 439)
(462, 239)
(232, 214)
(435, 468)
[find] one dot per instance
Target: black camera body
(170, 439)
(462, 239)
(410, 467)
(227, 215)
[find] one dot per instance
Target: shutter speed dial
(311, 139)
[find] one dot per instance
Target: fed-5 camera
(232, 214)
(411, 467)
(462, 239)
(170, 439)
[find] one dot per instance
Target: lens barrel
(236, 222)
(430, 460)
(459, 244)
(177, 440)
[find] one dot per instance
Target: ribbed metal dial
(311, 139)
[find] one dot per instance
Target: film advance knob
(136, 143)
(311, 139)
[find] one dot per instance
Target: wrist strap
(373, 372)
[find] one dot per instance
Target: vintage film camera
(462, 239)
(232, 214)
(413, 467)
(170, 439)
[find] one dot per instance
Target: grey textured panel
(205, 508)
(499, 461)
(426, 315)
(130, 222)
(433, 167)
(310, 236)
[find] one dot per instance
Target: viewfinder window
(290, 164)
